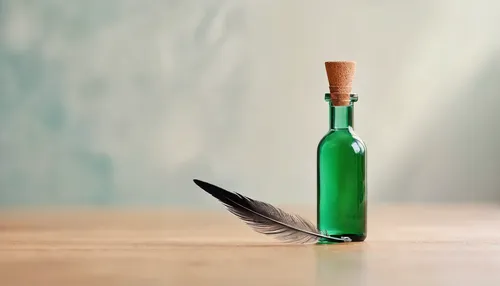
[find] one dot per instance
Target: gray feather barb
(267, 219)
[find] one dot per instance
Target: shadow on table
(339, 265)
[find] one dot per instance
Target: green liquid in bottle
(341, 177)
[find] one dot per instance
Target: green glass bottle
(341, 176)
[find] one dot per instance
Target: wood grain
(406, 245)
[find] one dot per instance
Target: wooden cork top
(340, 75)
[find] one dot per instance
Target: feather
(267, 219)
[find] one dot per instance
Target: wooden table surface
(406, 245)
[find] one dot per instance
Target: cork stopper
(340, 75)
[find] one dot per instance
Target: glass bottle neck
(341, 116)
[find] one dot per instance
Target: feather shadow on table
(267, 219)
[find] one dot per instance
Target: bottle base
(353, 237)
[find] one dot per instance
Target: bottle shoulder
(342, 138)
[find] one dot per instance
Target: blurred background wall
(121, 102)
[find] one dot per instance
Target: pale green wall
(124, 102)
